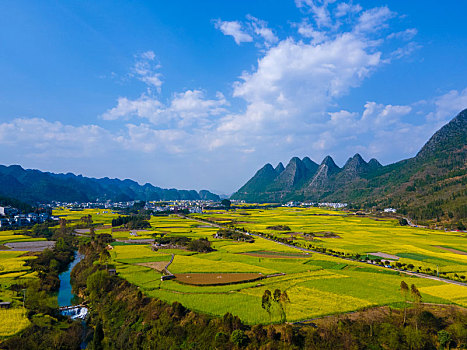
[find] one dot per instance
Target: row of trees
(132, 222)
(202, 245)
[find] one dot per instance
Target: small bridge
(74, 311)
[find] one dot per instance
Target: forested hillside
(33, 186)
(428, 186)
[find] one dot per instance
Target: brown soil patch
(34, 246)
(210, 279)
(81, 230)
(102, 227)
(455, 251)
(156, 265)
(324, 234)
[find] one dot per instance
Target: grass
(12, 236)
(317, 284)
(12, 321)
(13, 270)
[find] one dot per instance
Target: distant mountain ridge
(431, 184)
(34, 186)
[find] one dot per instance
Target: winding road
(421, 275)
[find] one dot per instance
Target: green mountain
(431, 184)
(34, 186)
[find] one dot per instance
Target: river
(65, 295)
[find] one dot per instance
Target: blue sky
(201, 94)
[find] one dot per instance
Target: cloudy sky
(200, 94)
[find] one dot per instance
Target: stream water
(66, 298)
(65, 295)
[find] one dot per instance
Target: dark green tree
(444, 338)
(98, 337)
(239, 338)
(266, 301)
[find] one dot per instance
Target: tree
(283, 301)
(239, 338)
(226, 203)
(277, 295)
(60, 244)
(417, 299)
(97, 284)
(403, 222)
(405, 294)
(413, 337)
(266, 301)
(221, 340)
(63, 225)
(92, 233)
(444, 338)
(104, 257)
(98, 336)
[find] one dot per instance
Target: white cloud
(145, 69)
(37, 137)
(260, 28)
(234, 29)
(449, 104)
(295, 82)
(143, 107)
(387, 132)
(306, 29)
(373, 20)
(192, 104)
(319, 9)
(382, 116)
(186, 108)
(406, 50)
(344, 8)
(406, 35)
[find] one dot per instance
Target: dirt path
(452, 250)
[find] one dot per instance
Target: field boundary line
(420, 275)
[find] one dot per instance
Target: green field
(12, 236)
(317, 284)
(13, 270)
(358, 235)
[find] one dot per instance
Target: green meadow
(13, 270)
(424, 248)
(317, 284)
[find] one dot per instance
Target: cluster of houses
(193, 206)
(314, 204)
(12, 217)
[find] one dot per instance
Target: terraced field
(316, 284)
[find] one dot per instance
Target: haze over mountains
(34, 186)
(431, 184)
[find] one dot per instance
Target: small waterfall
(75, 312)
